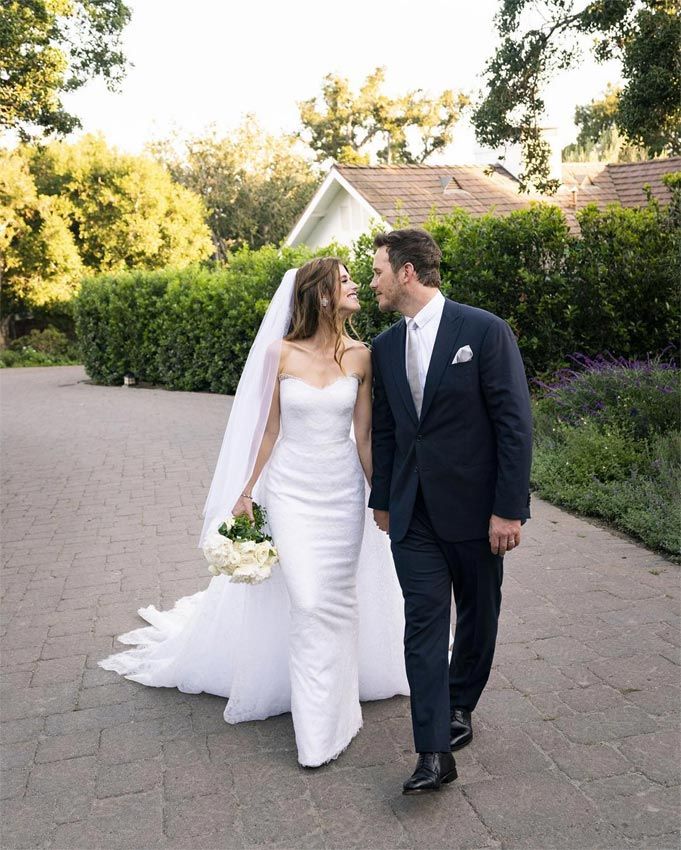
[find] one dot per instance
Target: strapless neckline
(285, 375)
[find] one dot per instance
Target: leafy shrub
(192, 329)
(576, 460)
(608, 444)
(188, 329)
(615, 286)
(49, 347)
(647, 504)
(48, 341)
(514, 266)
(624, 273)
(117, 324)
(638, 397)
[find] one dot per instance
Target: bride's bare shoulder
(291, 345)
(281, 350)
(358, 357)
(355, 345)
(359, 350)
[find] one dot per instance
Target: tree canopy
(539, 39)
(48, 47)
(346, 126)
(39, 259)
(254, 184)
(599, 138)
(73, 209)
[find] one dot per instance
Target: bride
(326, 630)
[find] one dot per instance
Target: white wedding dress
(326, 630)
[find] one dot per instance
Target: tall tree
(39, 259)
(542, 37)
(599, 138)
(69, 210)
(254, 185)
(347, 126)
(48, 47)
(124, 211)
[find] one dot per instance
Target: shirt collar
(432, 310)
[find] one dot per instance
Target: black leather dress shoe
(460, 728)
(432, 771)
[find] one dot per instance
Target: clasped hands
(504, 534)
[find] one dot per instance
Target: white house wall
(343, 221)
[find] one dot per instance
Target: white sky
(209, 62)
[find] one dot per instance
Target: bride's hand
(243, 505)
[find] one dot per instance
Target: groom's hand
(504, 534)
(382, 520)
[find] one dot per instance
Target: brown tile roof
(415, 191)
(623, 182)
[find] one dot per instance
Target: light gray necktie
(413, 376)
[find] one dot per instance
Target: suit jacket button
(416, 469)
(419, 437)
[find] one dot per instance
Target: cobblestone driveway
(577, 734)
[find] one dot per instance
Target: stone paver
(577, 735)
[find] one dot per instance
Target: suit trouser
(428, 568)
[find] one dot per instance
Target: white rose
(262, 552)
(218, 550)
(245, 572)
(247, 553)
(265, 572)
(251, 575)
(234, 558)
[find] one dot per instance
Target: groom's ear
(409, 272)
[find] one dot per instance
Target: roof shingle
(416, 191)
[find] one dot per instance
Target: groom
(452, 439)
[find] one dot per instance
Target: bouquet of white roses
(240, 549)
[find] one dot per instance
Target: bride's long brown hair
(316, 280)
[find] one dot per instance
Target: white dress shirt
(423, 327)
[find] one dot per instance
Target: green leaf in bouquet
(243, 528)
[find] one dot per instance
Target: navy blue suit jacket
(471, 448)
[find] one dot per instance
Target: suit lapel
(400, 369)
(443, 351)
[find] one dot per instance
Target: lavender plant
(637, 397)
(608, 444)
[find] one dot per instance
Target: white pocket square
(463, 355)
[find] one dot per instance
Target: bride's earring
(325, 302)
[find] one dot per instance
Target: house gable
(354, 195)
(337, 212)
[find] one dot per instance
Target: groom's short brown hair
(416, 246)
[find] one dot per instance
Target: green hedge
(187, 330)
(613, 288)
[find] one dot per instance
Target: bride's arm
(362, 418)
(244, 504)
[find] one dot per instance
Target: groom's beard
(388, 305)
